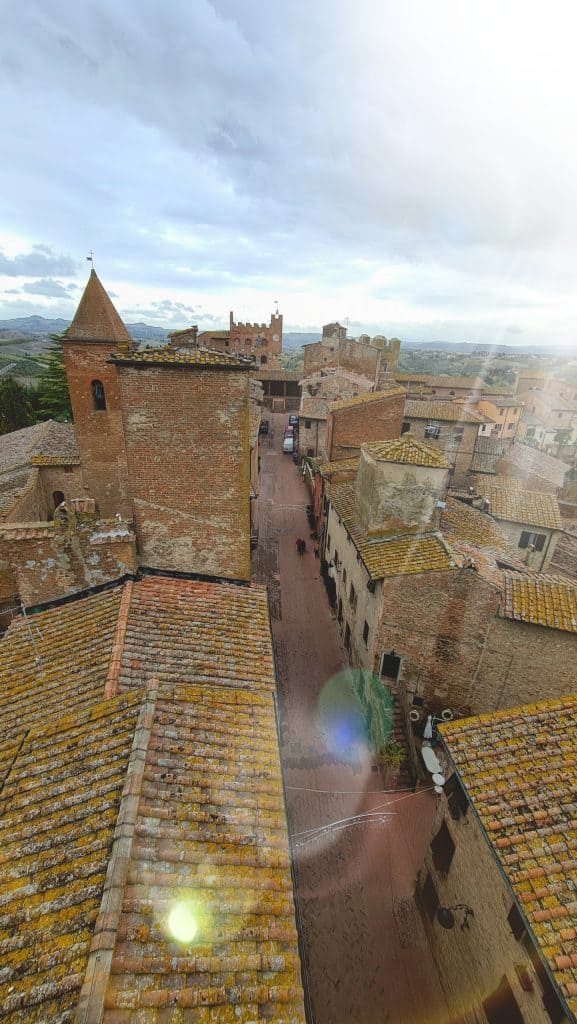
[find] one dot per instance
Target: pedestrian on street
(303, 546)
(298, 545)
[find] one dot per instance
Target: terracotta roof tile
(57, 813)
(344, 466)
(96, 319)
(450, 412)
(313, 408)
(532, 462)
(173, 357)
(409, 452)
(518, 768)
(543, 600)
(442, 380)
(395, 555)
(189, 631)
(210, 836)
(462, 522)
(532, 508)
(15, 448)
(366, 399)
(57, 446)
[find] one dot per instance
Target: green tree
(15, 406)
(53, 394)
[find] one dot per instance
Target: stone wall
(187, 444)
(348, 429)
(472, 961)
(522, 663)
(436, 622)
(538, 560)
(51, 560)
(311, 440)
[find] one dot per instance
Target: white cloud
(403, 165)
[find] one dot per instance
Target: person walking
(298, 545)
(303, 546)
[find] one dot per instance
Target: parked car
(293, 420)
(263, 429)
(289, 431)
(288, 445)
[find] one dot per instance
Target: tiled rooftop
(461, 522)
(528, 507)
(366, 399)
(531, 462)
(450, 412)
(16, 447)
(188, 631)
(395, 555)
(202, 810)
(327, 469)
(542, 600)
(210, 833)
(58, 811)
(57, 446)
(442, 380)
(173, 357)
(312, 408)
(486, 454)
(518, 767)
(409, 452)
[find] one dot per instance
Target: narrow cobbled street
(366, 956)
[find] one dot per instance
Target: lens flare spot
(182, 922)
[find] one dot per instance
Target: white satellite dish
(438, 779)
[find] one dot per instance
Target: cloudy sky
(411, 170)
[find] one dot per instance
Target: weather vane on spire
(91, 258)
(276, 306)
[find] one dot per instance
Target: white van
(288, 445)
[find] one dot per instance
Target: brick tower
(94, 333)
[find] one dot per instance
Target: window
(536, 540)
(430, 898)
(353, 595)
(344, 577)
(328, 542)
(405, 427)
(456, 798)
(366, 632)
(432, 431)
(458, 433)
(336, 559)
(452, 393)
(227, 342)
(310, 452)
(69, 469)
(263, 360)
(307, 424)
(530, 432)
(348, 637)
(390, 666)
(500, 1007)
(443, 850)
(340, 610)
(516, 923)
(98, 396)
(57, 498)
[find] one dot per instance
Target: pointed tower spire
(96, 319)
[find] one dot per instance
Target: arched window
(262, 360)
(57, 498)
(98, 396)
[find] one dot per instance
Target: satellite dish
(447, 715)
(439, 779)
(438, 790)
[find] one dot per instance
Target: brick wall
(472, 961)
(30, 505)
(348, 429)
(99, 432)
(522, 663)
(54, 479)
(187, 444)
(436, 622)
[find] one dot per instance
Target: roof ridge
(117, 650)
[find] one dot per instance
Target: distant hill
(40, 326)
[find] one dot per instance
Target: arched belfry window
(98, 396)
(263, 360)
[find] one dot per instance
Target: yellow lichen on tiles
(406, 452)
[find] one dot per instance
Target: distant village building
(375, 360)
(444, 386)
(448, 426)
(261, 341)
(505, 412)
(336, 429)
(530, 519)
(497, 888)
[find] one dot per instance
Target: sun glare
(182, 922)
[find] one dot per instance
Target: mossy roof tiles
(189, 631)
(395, 555)
(210, 834)
(172, 357)
(58, 809)
(450, 412)
(532, 508)
(407, 452)
(542, 600)
(518, 768)
(373, 396)
(56, 659)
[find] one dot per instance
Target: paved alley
(367, 959)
